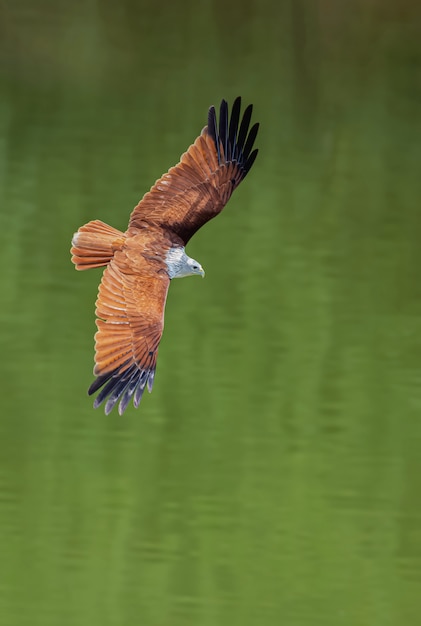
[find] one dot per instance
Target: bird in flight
(141, 262)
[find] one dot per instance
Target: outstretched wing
(130, 308)
(198, 188)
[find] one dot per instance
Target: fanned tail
(94, 245)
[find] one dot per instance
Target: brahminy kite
(142, 261)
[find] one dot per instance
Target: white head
(179, 264)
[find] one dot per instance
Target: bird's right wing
(130, 308)
(198, 188)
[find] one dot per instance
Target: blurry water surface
(274, 475)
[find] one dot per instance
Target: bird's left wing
(130, 308)
(198, 188)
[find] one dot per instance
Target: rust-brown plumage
(134, 286)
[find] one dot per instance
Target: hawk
(141, 262)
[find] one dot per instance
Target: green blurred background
(274, 475)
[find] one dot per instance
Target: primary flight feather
(142, 261)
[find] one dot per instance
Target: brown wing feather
(197, 189)
(130, 308)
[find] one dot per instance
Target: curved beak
(202, 272)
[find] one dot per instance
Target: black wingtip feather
(249, 162)
(250, 140)
(235, 118)
(233, 139)
(212, 129)
(245, 123)
(223, 125)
